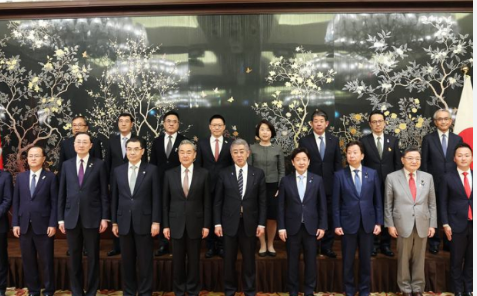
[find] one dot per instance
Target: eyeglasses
(412, 158)
(377, 122)
(169, 121)
(79, 125)
(35, 156)
(136, 149)
(216, 125)
(442, 119)
(82, 142)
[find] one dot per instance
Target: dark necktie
(444, 144)
(81, 172)
(357, 181)
(32, 185)
(169, 147)
(322, 148)
(380, 148)
(240, 182)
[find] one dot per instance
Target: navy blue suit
(326, 169)
(454, 206)
(34, 214)
(435, 163)
(357, 214)
(301, 220)
(82, 208)
(6, 193)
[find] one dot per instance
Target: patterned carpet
(21, 292)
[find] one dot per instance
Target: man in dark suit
(357, 215)
(302, 219)
(213, 154)
(438, 158)
(325, 160)
(187, 218)
(135, 207)
(456, 206)
(240, 210)
(67, 149)
(381, 153)
(116, 155)
(6, 193)
(83, 211)
(164, 155)
(34, 220)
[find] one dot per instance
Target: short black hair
(39, 147)
(374, 112)
(82, 117)
(357, 143)
(463, 145)
(172, 112)
(411, 149)
(319, 112)
(126, 115)
(299, 150)
(84, 133)
(267, 123)
(136, 140)
(216, 116)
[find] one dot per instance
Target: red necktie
(216, 150)
(467, 191)
(412, 186)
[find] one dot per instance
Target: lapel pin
(175, 150)
(43, 177)
(387, 141)
(90, 165)
(422, 183)
(389, 149)
(226, 142)
(366, 175)
(143, 172)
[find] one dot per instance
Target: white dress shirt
(37, 178)
(78, 163)
(166, 140)
(212, 144)
(130, 170)
(375, 136)
(189, 174)
(244, 174)
(469, 177)
(360, 174)
(318, 140)
(298, 180)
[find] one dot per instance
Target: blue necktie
(301, 187)
(357, 181)
(240, 183)
(322, 148)
(444, 144)
(33, 185)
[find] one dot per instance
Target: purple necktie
(81, 173)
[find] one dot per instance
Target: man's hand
(61, 226)
(393, 232)
(16, 231)
(51, 231)
(218, 231)
(448, 232)
(377, 229)
(155, 228)
(167, 233)
(205, 232)
(260, 231)
(283, 235)
(319, 234)
(103, 226)
(115, 230)
(431, 232)
(339, 231)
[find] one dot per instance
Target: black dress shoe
(328, 253)
(433, 250)
(406, 294)
(272, 254)
(162, 251)
(374, 253)
(210, 253)
(221, 253)
(113, 253)
(262, 254)
(85, 253)
(458, 294)
(416, 294)
(387, 251)
(67, 254)
(467, 294)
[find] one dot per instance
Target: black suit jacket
(433, 160)
(143, 206)
(90, 200)
(453, 201)
(192, 212)
(391, 160)
(291, 209)
(114, 154)
(6, 194)
(67, 150)
(159, 158)
(41, 208)
(205, 158)
(327, 167)
(228, 201)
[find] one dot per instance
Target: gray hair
(188, 142)
(441, 110)
(238, 142)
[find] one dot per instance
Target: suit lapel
(178, 177)
(315, 145)
(234, 180)
(89, 167)
(125, 179)
(371, 143)
(386, 147)
(140, 176)
(438, 144)
(293, 178)
(210, 152)
(349, 180)
(458, 181)
(224, 148)
(39, 183)
(403, 180)
(250, 178)
(193, 183)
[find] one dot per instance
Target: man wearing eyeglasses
(381, 153)
(136, 214)
(83, 212)
(164, 155)
(438, 158)
(116, 155)
(411, 217)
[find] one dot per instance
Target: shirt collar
(137, 165)
(441, 133)
(244, 168)
(37, 173)
(190, 168)
(174, 135)
(461, 171)
(212, 139)
(298, 175)
(318, 137)
(376, 136)
(406, 172)
(128, 136)
(85, 159)
(360, 168)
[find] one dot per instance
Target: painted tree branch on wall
(288, 111)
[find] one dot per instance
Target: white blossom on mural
(288, 111)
